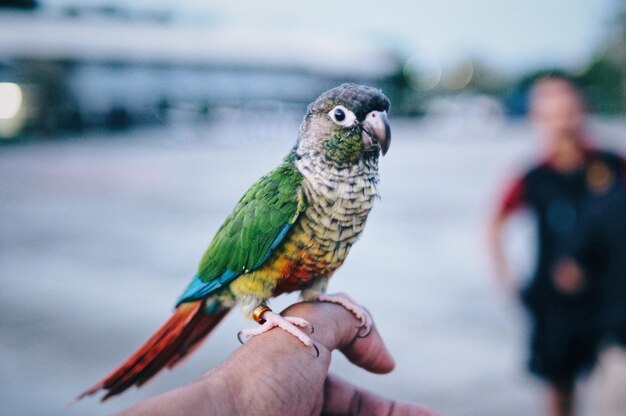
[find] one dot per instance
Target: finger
(369, 353)
(336, 328)
(342, 398)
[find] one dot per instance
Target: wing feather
(259, 223)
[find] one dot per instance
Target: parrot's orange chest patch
(299, 267)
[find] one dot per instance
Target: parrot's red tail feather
(178, 337)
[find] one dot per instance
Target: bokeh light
(459, 76)
(422, 72)
(10, 100)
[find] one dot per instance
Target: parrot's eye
(342, 116)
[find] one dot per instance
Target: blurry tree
(603, 83)
(487, 80)
(604, 80)
(54, 107)
(407, 100)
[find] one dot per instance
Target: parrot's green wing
(258, 224)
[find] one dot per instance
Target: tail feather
(194, 339)
(175, 340)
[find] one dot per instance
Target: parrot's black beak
(376, 131)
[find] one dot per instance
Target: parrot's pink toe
(288, 324)
(357, 310)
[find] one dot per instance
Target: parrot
(289, 232)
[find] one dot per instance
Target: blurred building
(81, 67)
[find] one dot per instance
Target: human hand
(568, 277)
(501, 268)
(274, 374)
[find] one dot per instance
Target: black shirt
(600, 248)
(557, 200)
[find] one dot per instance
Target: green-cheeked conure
(290, 231)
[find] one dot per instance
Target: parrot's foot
(359, 312)
(269, 320)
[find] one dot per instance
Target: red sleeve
(513, 197)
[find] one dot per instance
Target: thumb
(369, 353)
(337, 328)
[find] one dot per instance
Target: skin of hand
(568, 277)
(274, 374)
(500, 263)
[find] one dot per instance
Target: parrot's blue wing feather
(198, 288)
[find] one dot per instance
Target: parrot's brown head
(346, 124)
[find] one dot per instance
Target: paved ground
(99, 235)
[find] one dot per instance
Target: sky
(511, 35)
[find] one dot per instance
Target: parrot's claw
(368, 328)
(359, 312)
(270, 320)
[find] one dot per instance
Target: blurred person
(599, 251)
(563, 336)
(269, 376)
